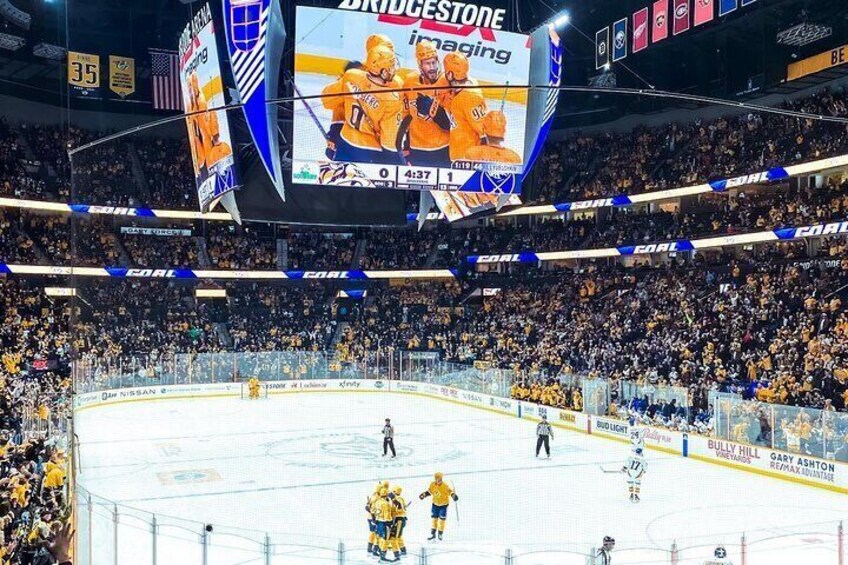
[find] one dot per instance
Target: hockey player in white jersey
(635, 469)
(637, 435)
(719, 557)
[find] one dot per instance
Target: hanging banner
(660, 22)
(727, 6)
(84, 74)
(704, 11)
(681, 16)
(602, 56)
(833, 58)
(640, 30)
(619, 42)
(121, 75)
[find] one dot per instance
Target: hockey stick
(610, 471)
(311, 113)
(455, 502)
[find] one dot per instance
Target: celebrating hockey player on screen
(207, 147)
(335, 103)
(492, 150)
(386, 511)
(635, 470)
(466, 104)
(442, 495)
(429, 123)
(372, 111)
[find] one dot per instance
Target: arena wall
(797, 468)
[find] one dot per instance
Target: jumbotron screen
(369, 128)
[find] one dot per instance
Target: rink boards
(782, 465)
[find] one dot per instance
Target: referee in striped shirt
(544, 435)
(389, 438)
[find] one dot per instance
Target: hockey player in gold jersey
(372, 111)
(429, 123)
(442, 495)
(399, 523)
(466, 105)
(383, 514)
(332, 100)
(494, 128)
(370, 506)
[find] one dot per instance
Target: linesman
(544, 435)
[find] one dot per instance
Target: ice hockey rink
(300, 467)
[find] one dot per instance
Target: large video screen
(366, 131)
(208, 132)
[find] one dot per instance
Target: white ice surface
(301, 466)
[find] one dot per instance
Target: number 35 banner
(84, 74)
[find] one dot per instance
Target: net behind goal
(261, 391)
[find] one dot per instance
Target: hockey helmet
(383, 492)
(384, 484)
(426, 49)
(378, 39)
(397, 491)
(720, 552)
(609, 542)
(638, 451)
(381, 60)
(438, 476)
(456, 64)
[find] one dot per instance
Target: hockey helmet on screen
(384, 484)
(381, 62)
(384, 492)
(379, 39)
(397, 491)
(438, 476)
(494, 125)
(456, 66)
(609, 543)
(639, 451)
(720, 552)
(426, 49)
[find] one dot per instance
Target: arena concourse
(665, 310)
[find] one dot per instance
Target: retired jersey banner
(602, 55)
(727, 6)
(121, 75)
(681, 16)
(640, 30)
(659, 29)
(704, 11)
(84, 74)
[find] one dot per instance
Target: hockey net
(245, 391)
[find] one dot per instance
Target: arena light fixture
(49, 51)
(14, 15)
(562, 20)
(803, 34)
(11, 42)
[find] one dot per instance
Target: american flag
(167, 92)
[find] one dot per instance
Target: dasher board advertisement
(369, 119)
(208, 132)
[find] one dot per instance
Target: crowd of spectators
(583, 167)
(34, 406)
